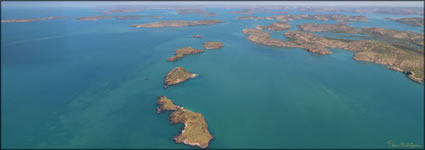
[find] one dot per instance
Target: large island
(409, 62)
(195, 132)
(177, 23)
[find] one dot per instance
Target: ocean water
(82, 84)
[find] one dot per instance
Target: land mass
(177, 23)
(408, 62)
(195, 11)
(213, 45)
(180, 53)
(30, 20)
(338, 18)
(195, 132)
(96, 18)
(413, 21)
(402, 39)
(176, 76)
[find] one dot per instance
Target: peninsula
(30, 20)
(180, 53)
(195, 132)
(176, 76)
(213, 45)
(177, 23)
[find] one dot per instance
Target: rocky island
(180, 53)
(195, 132)
(177, 23)
(123, 10)
(30, 20)
(176, 76)
(409, 62)
(213, 45)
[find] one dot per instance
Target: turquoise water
(76, 84)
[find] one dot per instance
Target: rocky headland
(180, 53)
(413, 21)
(213, 45)
(409, 62)
(176, 76)
(195, 132)
(177, 23)
(31, 20)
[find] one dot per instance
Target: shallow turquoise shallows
(93, 84)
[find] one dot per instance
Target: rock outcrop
(195, 132)
(176, 76)
(196, 36)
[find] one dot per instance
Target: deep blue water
(81, 84)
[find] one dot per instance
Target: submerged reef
(195, 132)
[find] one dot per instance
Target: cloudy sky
(255, 3)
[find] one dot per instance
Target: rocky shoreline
(195, 132)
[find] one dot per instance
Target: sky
(253, 3)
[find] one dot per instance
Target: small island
(213, 45)
(176, 76)
(180, 53)
(196, 36)
(337, 18)
(413, 21)
(176, 23)
(195, 132)
(123, 10)
(30, 20)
